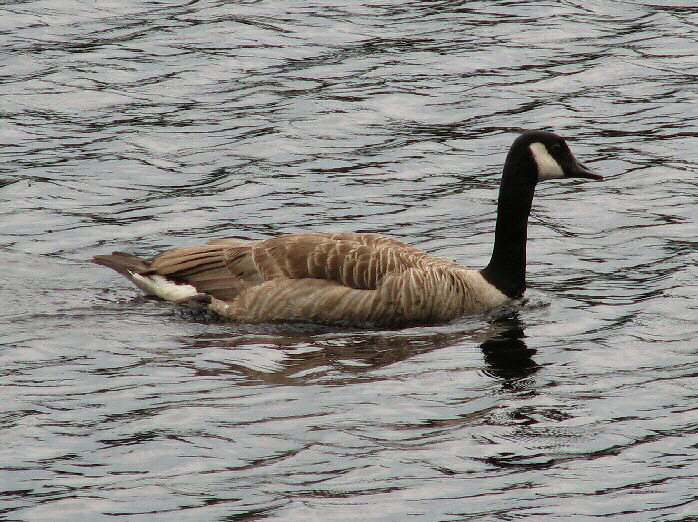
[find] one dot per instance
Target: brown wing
(224, 268)
(208, 268)
(353, 260)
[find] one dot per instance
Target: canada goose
(358, 278)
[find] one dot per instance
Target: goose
(358, 278)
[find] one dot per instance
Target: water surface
(140, 126)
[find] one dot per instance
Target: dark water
(140, 126)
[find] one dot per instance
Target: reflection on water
(506, 353)
(308, 353)
(140, 127)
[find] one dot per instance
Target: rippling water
(140, 126)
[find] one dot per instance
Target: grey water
(144, 125)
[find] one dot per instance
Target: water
(140, 126)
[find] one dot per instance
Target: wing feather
(354, 260)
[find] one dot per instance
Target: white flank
(548, 167)
(163, 287)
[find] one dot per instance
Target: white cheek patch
(548, 167)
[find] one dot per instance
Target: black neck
(507, 267)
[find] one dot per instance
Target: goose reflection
(506, 354)
(306, 358)
(307, 353)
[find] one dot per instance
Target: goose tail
(140, 273)
(125, 264)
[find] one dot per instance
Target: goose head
(534, 156)
(546, 155)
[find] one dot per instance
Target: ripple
(140, 127)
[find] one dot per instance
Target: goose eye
(557, 146)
